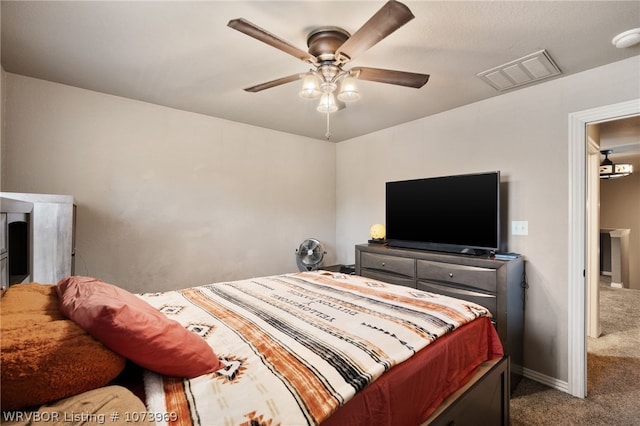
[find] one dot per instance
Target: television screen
(450, 213)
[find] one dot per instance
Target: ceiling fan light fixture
(327, 103)
(349, 89)
(330, 49)
(610, 170)
(310, 88)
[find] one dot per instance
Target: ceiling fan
(330, 49)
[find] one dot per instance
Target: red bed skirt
(409, 392)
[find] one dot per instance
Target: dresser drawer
(389, 264)
(482, 299)
(484, 279)
(388, 278)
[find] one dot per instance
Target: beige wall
(620, 198)
(1, 111)
(620, 208)
(524, 134)
(168, 199)
(2, 99)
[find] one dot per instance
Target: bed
(296, 349)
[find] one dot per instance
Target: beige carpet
(613, 379)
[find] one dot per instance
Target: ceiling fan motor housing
(323, 42)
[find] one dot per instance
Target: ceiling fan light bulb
(310, 88)
(327, 103)
(349, 90)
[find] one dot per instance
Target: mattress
(320, 348)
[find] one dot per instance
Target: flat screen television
(459, 214)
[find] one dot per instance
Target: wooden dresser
(497, 285)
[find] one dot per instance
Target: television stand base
(443, 248)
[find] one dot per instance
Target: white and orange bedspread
(297, 346)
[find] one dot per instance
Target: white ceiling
(182, 54)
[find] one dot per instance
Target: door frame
(593, 232)
(577, 261)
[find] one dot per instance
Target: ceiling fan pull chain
(328, 134)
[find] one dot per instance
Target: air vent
(526, 70)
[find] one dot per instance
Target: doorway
(578, 247)
(613, 225)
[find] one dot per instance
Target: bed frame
(483, 400)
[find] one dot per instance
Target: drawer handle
(383, 264)
(450, 274)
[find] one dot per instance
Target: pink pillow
(136, 330)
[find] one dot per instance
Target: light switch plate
(519, 227)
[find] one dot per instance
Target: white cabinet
(50, 234)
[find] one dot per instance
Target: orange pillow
(134, 329)
(45, 356)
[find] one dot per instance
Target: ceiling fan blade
(252, 30)
(389, 18)
(273, 83)
(400, 78)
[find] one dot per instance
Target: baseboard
(552, 382)
(616, 285)
(517, 369)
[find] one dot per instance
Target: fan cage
(310, 255)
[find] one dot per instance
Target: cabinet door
(3, 233)
(482, 299)
(471, 276)
(4, 272)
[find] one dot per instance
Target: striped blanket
(296, 347)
